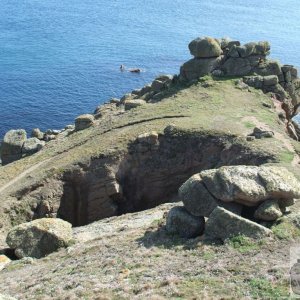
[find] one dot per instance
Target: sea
(60, 59)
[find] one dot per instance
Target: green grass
(244, 244)
(285, 230)
(249, 125)
(260, 288)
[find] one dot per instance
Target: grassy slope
(145, 261)
(220, 107)
(133, 257)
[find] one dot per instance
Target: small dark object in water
(135, 70)
(122, 68)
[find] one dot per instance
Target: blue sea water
(59, 59)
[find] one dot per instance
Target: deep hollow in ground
(148, 174)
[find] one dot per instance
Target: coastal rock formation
(130, 104)
(229, 58)
(32, 145)
(11, 148)
(37, 133)
(84, 121)
(228, 191)
(39, 237)
(205, 47)
(16, 145)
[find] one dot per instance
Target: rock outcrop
(222, 57)
(32, 145)
(181, 222)
(130, 104)
(84, 121)
(223, 224)
(223, 194)
(11, 148)
(39, 237)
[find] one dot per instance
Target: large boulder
(32, 145)
(181, 222)
(39, 237)
(205, 47)
(84, 121)
(37, 133)
(237, 66)
(223, 224)
(250, 185)
(195, 68)
(11, 148)
(196, 198)
(268, 211)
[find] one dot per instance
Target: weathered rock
(268, 67)
(195, 68)
(181, 222)
(11, 148)
(227, 43)
(148, 138)
(39, 237)
(254, 81)
(268, 211)
(127, 96)
(237, 67)
(105, 110)
(233, 207)
(37, 133)
(279, 183)
(4, 261)
(114, 101)
(84, 121)
(196, 198)
(49, 137)
(157, 85)
(270, 80)
(32, 145)
(223, 224)
(250, 185)
(205, 47)
(130, 104)
(260, 133)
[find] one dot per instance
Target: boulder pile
(15, 145)
(223, 57)
(235, 199)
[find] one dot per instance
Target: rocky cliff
(229, 105)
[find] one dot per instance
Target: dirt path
(22, 175)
